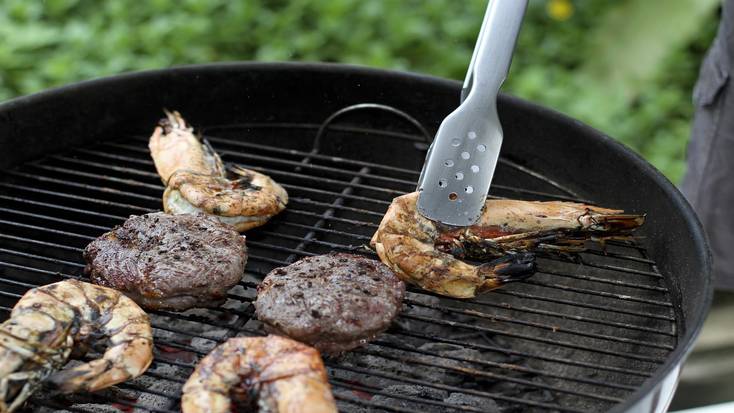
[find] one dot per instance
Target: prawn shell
(275, 373)
(428, 254)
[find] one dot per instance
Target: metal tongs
(461, 161)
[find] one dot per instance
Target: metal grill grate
(579, 336)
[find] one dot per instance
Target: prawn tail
(172, 121)
(213, 158)
(125, 361)
(617, 223)
(509, 268)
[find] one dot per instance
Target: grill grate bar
(60, 207)
(374, 391)
(234, 297)
(343, 384)
(331, 364)
(155, 175)
(339, 384)
(253, 243)
(623, 297)
(320, 168)
(357, 222)
(512, 367)
(157, 200)
(74, 197)
(620, 256)
(627, 270)
(120, 218)
(270, 171)
(615, 268)
(496, 317)
(276, 172)
(26, 268)
(76, 172)
(411, 316)
(483, 347)
(411, 184)
(509, 351)
(54, 219)
(496, 376)
(334, 159)
(502, 366)
(342, 161)
(523, 309)
(252, 285)
(110, 167)
(43, 243)
(483, 374)
(325, 216)
(383, 406)
(39, 257)
(619, 283)
(94, 398)
(336, 206)
(531, 338)
(580, 304)
(49, 230)
(315, 228)
(574, 196)
(31, 286)
(563, 287)
(45, 179)
(325, 230)
(332, 245)
(345, 210)
(441, 386)
(337, 160)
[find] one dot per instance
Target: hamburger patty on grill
(167, 261)
(333, 302)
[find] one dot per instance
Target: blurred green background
(627, 67)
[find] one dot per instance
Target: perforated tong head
(461, 160)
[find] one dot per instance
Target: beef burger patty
(333, 302)
(167, 261)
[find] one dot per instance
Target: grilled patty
(333, 302)
(167, 261)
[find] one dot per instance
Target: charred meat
(333, 302)
(167, 261)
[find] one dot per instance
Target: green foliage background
(53, 42)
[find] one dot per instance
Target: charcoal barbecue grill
(604, 331)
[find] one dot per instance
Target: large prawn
(271, 374)
(428, 254)
(196, 180)
(53, 322)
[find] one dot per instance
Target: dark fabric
(709, 180)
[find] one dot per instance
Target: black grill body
(606, 331)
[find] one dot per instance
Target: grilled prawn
(196, 180)
(427, 253)
(270, 374)
(51, 323)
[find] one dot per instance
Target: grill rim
(22, 106)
